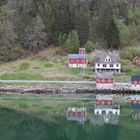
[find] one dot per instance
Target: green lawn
(42, 68)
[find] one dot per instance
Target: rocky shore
(59, 90)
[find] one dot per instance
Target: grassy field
(43, 69)
(54, 67)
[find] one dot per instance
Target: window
(117, 65)
(104, 65)
(98, 65)
(111, 65)
(102, 80)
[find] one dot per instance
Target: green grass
(24, 66)
(45, 68)
(48, 65)
(21, 75)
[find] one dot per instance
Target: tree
(62, 39)
(112, 35)
(89, 46)
(72, 43)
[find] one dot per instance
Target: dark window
(111, 65)
(117, 65)
(104, 65)
(98, 65)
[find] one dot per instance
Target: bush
(130, 53)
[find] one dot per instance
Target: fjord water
(19, 125)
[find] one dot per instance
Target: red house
(135, 82)
(78, 60)
(104, 80)
(136, 60)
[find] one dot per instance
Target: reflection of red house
(135, 103)
(77, 112)
(136, 60)
(104, 100)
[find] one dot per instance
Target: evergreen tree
(72, 43)
(112, 35)
(89, 46)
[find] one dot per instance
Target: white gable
(108, 59)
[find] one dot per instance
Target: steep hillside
(31, 25)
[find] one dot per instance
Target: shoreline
(64, 90)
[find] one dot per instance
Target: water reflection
(77, 114)
(105, 110)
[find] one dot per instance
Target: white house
(108, 62)
(105, 110)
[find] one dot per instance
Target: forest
(32, 25)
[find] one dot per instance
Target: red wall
(104, 81)
(136, 82)
(103, 102)
(77, 61)
(71, 113)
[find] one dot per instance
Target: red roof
(136, 59)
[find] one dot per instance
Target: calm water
(17, 126)
(20, 126)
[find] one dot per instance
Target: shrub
(130, 53)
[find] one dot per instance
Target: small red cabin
(78, 60)
(104, 80)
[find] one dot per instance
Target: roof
(104, 97)
(82, 49)
(107, 107)
(103, 56)
(136, 58)
(105, 75)
(77, 56)
(135, 77)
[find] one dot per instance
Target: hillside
(28, 26)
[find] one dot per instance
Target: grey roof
(82, 49)
(103, 56)
(77, 56)
(135, 77)
(107, 106)
(105, 75)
